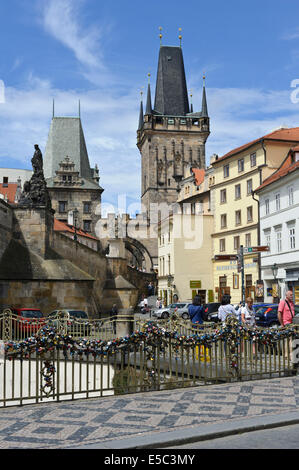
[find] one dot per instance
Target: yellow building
(185, 243)
(236, 215)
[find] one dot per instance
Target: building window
(5, 182)
(291, 195)
(169, 265)
(249, 214)
(236, 243)
(222, 245)
(87, 226)
(248, 239)
(226, 171)
(62, 207)
(268, 238)
(223, 196)
(238, 191)
(241, 165)
(223, 221)
(238, 217)
(86, 207)
(222, 281)
(253, 159)
(249, 187)
(292, 238)
(277, 201)
(278, 241)
(267, 206)
(248, 280)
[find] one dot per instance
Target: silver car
(181, 308)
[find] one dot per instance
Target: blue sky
(100, 52)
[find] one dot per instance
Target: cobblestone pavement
(84, 422)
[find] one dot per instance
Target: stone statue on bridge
(35, 191)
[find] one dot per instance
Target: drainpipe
(258, 234)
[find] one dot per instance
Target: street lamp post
(275, 271)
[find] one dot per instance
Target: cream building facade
(236, 216)
(185, 243)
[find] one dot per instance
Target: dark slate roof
(140, 116)
(171, 90)
(149, 101)
(204, 109)
(66, 138)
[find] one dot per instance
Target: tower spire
(191, 103)
(180, 36)
(141, 120)
(149, 97)
(204, 106)
(160, 35)
(53, 108)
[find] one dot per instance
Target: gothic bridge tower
(170, 136)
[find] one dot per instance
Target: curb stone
(198, 433)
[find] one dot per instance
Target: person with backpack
(226, 308)
(286, 309)
(286, 313)
(196, 311)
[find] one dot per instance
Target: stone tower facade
(73, 185)
(170, 137)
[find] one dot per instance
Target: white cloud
(61, 19)
(110, 122)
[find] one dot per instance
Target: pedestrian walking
(113, 315)
(286, 313)
(286, 309)
(248, 318)
(226, 308)
(247, 313)
(196, 311)
(159, 303)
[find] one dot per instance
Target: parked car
(266, 315)
(77, 321)
(27, 323)
(211, 312)
(180, 308)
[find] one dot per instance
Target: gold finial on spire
(149, 77)
(180, 36)
(160, 35)
(141, 91)
(191, 94)
(204, 78)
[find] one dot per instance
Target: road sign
(226, 257)
(255, 249)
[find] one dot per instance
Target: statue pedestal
(33, 227)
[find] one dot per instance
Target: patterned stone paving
(67, 424)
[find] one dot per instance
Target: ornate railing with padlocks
(53, 365)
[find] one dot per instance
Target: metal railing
(53, 365)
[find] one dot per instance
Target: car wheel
(165, 315)
(185, 316)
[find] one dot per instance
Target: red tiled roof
(280, 134)
(10, 190)
(63, 227)
(199, 175)
(286, 167)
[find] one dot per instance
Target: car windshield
(77, 314)
(31, 314)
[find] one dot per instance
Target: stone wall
(48, 295)
(6, 223)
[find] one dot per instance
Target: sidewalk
(153, 419)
